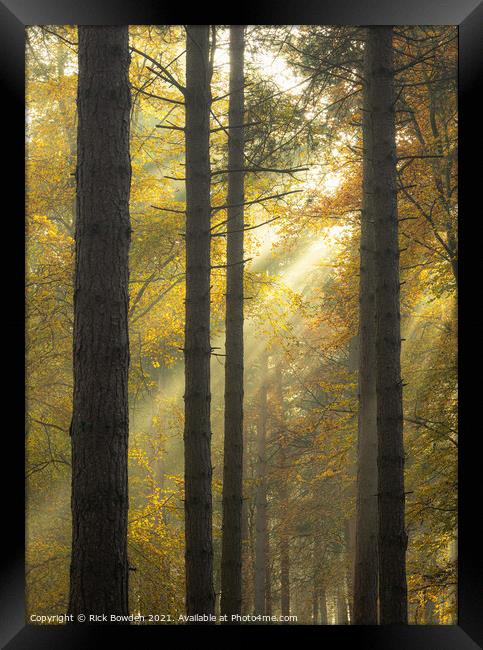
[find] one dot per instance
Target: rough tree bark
(261, 533)
(391, 500)
(231, 554)
(100, 423)
(200, 595)
(365, 566)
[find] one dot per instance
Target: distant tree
(283, 491)
(261, 523)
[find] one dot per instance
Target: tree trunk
(268, 572)
(261, 558)
(100, 422)
(349, 538)
(315, 582)
(341, 606)
(247, 542)
(323, 605)
(391, 501)
(365, 566)
(248, 530)
(429, 612)
(283, 497)
(200, 595)
(231, 557)
(284, 563)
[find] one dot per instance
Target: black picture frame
(468, 15)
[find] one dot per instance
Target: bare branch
(164, 99)
(261, 169)
(167, 76)
(222, 234)
(216, 208)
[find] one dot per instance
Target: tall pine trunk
(231, 554)
(365, 566)
(200, 595)
(100, 422)
(390, 460)
(261, 531)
